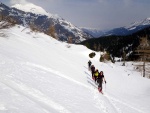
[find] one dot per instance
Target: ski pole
(105, 86)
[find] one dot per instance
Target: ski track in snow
(100, 103)
(110, 99)
(113, 100)
(35, 96)
(55, 72)
(47, 103)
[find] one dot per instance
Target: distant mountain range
(121, 31)
(31, 15)
(94, 32)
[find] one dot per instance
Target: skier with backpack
(92, 70)
(96, 73)
(100, 79)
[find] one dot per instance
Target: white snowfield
(39, 74)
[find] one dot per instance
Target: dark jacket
(93, 69)
(89, 63)
(100, 77)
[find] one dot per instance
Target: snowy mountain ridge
(39, 74)
(144, 22)
(121, 31)
(35, 16)
(31, 8)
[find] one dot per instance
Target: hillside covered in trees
(118, 46)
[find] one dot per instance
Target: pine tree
(143, 51)
(124, 57)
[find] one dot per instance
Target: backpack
(96, 74)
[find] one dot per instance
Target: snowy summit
(145, 22)
(31, 8)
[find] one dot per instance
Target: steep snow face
(32, 8)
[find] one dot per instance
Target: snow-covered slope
(41, 75)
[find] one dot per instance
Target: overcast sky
(101, 14)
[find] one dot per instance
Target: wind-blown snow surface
(41, 75)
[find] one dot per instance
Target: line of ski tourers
(97, 76)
